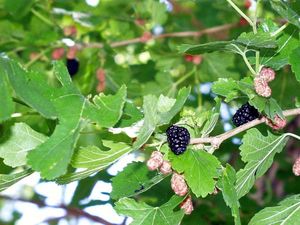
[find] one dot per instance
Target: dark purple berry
(178, 139)
(73, 66)
(244, 115)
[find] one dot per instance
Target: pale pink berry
(261, 87)
(216, 191)
(267, 74)
(178, 184)
(166, 167)
(187, 205)
(296, 167)
(277, 123)
(155, 160)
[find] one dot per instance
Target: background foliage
(135, 64)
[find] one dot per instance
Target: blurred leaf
(207, 47)
(148, 215)
(18, 8)
(136, 175)
(6, 98)
(284, 10)
(6, 180)
(227, 88)
(106, 110)
(294, 61)
(200, 170)
(20, 140)
(258, 152)
(228, 180)
(286, 213)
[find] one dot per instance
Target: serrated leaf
(284, 10)
(294, 61)
(6, 98)
(94, 159)
(258, 152)
(52, 157)
(258, 40)
(228, 180)
(106, 110)
(148, 215)
(207, 47)
(6, 180)
(165, 117)
(136, 175)
(30, 87)
(200, 170)
(212, 121)
(286, 213)
(227, 88)
(150, 121)
(130, 115)
(20, 140)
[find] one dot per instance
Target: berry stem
(239, 11)
(216, 141)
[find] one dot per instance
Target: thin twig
(161, 36)
(216, 141)
(76, 212)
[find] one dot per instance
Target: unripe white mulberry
(178, 184)
(296, 167)
(267, 74)
(155, 160)
(187, 205)
(277, 123)
(261, 87)
(166, 167)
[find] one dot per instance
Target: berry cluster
(178, 139)
(244, 115)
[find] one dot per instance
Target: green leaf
(136, 175)
(284, 10)
(200, 170)
(258, 40)
(52, 157)
(30, 87)
(168, 113)
(148, 215)
(228, 180)
(258, 152)
(130, 115)
(94, 159)
(106, 110)
(227, 46)
(6, 98)
(19, 8)
(6, 180)
(19, 141)
(212, 121)
(286, 213)
(227, 88)
(150, 121)
(294, 61)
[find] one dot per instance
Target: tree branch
(216, 141)
(76, 212)
(161, 36)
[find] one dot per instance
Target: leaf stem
(248, 63)
(240, 12)
(257, 54)
(41, 17)
(279, 30)
(216, 141)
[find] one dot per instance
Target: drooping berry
(296, 167)
(166, 167)
(262, 88)
(178, 184)
(178, 139)
(277, 123)
(155, 161)
(73, 66)
(187, 205)
(244, 115)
